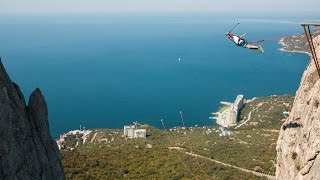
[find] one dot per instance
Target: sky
(85, 6)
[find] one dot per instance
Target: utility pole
(182, 119)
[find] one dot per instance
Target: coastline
(284, 46)
(258, 134)
(60, 138)
(297, 43)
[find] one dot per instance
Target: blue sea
(107, 70)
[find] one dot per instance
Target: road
(222, 163)
(249, 115)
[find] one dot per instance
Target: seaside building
(140, 133)
(128, 131)
(229, 116)
(131, 131)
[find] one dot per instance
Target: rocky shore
(298, 43)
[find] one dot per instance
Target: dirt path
(249, 115)
(94, 137)
(225, 164)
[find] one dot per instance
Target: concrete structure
(128, 131)
(226, 133)
(140, 133)
(131, 131)
(229, 116)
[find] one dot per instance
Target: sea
(112, 69)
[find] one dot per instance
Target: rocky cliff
(298, 144)
(27, 150)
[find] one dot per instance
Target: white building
(131, 131)
(128, 131)
(140, 133)
(229, 116)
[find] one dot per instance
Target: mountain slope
(27, 150)
(298, 144)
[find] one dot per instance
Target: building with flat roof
(132, 131)
(140, 133)
(229, 116)
(128, 131)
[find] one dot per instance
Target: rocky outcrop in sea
(27, 151)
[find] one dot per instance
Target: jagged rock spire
(27, 150)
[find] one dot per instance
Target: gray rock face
(27, 150)
(298, 144)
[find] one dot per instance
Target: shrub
(294, 155)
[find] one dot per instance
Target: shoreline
(300, 52)
(281, 42)
(60, 139)
(284, 46)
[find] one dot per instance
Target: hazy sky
(58, 6)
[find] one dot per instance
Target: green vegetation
(111, 156)
(298, 43)
(131, 159)
(223, 108)
(269, 113)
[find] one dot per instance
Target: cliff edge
(27, 150)
(298, 144)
